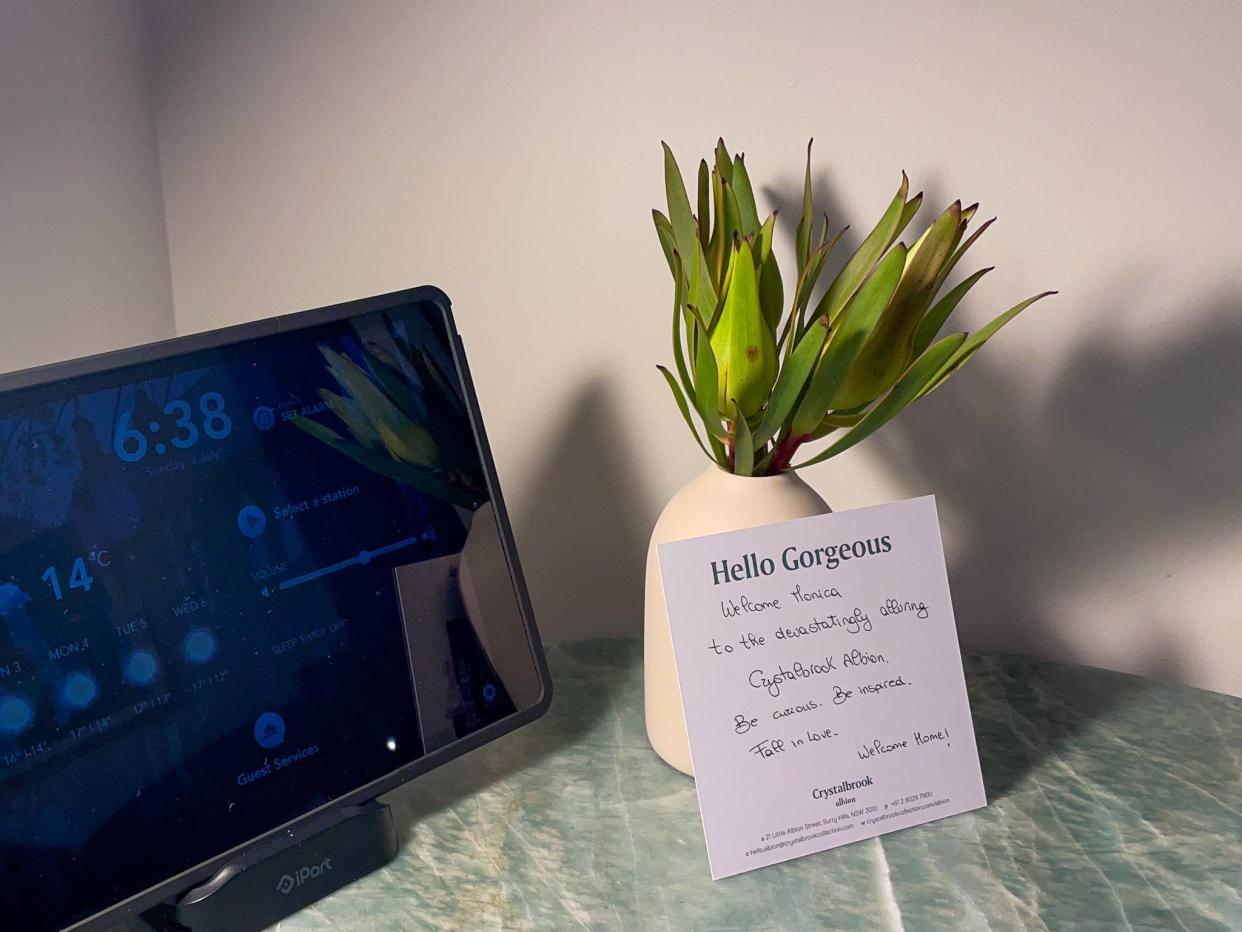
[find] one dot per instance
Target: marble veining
(1115, 803)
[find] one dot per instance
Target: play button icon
(251, 521)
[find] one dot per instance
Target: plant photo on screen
(398, 432)
(763, 369)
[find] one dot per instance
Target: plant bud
(742, 342)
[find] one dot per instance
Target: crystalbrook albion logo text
(289, 882)
(845, 786)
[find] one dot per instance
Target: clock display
(132, 445)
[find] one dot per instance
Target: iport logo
(290, 882)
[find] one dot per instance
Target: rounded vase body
(711, 503)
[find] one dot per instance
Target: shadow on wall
(1134, 446)
(583, 533)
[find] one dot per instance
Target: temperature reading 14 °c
(180, 429)
(79, 576)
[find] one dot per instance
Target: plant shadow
(581, 539)
(582, 531)
(1132, 447)
(1134, 444)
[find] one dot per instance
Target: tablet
(245, 577)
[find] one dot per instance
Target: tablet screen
(235, 585)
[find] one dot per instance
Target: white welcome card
(822, 684)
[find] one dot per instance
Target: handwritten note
(821, 680)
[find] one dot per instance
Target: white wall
(1087, 468)
(83, 257)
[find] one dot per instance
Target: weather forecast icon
(199, 645)
(79, 690)
(141, 668)
(15, 715)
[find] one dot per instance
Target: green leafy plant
(762, 368)
(412, 436)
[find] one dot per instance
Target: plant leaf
(976, 340)
(682, 221)
(706, 382)
(852, 331)
(717, 247)
(685, 409)
(908, 389)
(911, 208)
(890, 347)
(789, 383)
(705, 203)
(771, 288)
(743, 446)
(724, 161)
(679, 356)
(403, 438)
(802, 237)
(931, 323)
(664, 230)
(960, 251)
(865, 257)
(414, 476)
(680, 215)
(733, 217)
(748, 213)
(744, 346)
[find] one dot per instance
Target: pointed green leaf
(684, 231)
(789, 383)
(705, 203)
(959, 251)
(417, 477)
(802, 238)
(911, 208)
(679, 357)
(733, 217)
(890, 347)
(743, 446)
(354, 420)
(664, 230)
(850, 336)
(976, 340)
(718, 246)
(771, 291)
(684, 408)
(865, 257)
(404, 439)
(747, 211)
(908, 389)
(679, 212)
(724, 161)
(935, 319)
(706, 382)
(744, 346)
(763, 241)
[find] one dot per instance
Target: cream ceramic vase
(712, 502)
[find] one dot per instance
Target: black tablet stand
(284, 875)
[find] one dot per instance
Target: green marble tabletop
(1115, 802)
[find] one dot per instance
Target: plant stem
(785, 451)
